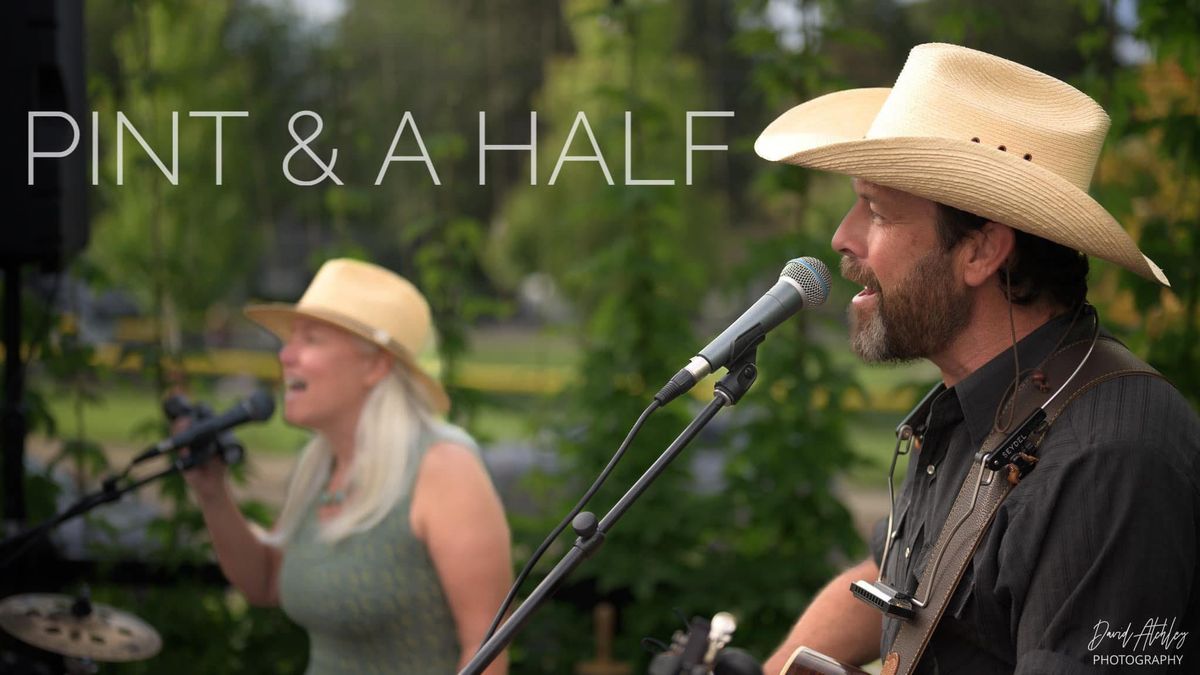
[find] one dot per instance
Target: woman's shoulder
(440, 434)
(452, 479)
(449, 453)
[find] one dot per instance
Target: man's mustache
(854, 270)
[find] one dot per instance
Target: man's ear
(985, 251)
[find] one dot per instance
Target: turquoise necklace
(331, 498)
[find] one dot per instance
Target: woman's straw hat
(973, 131)
(369, 301)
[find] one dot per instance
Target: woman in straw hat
(970, 236)
(392, 548)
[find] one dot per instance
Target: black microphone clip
(209, 434)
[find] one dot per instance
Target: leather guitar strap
(956, 545)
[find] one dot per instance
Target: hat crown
(972, 131)
(949, 91)
(377, 298)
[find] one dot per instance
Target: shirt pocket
(917, 558)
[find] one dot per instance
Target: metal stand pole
(13, 424)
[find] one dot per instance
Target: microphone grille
(261, 405)
(813, 277)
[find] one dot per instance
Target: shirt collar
(980, 393)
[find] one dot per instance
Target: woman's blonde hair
(395, 415)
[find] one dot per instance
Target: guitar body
(805, 661)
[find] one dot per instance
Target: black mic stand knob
(585, 525)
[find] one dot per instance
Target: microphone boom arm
(741, 376)
(109, 492)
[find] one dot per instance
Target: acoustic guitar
(805, 661)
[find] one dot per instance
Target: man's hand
(835, 624)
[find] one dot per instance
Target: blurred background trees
(601, 290)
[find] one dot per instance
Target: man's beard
(916, 319)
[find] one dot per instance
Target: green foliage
(178, 248)
(1170, 27)
(208, 630)
(431, 61)
(67, 361)
(771, 522)
(631, 259)
(448, 246)
(188, 616)
(1150, 182)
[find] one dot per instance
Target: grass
(129, 414)
(544, 348)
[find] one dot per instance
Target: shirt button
(931, 469)
(907, 551)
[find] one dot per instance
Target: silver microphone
(804, 282)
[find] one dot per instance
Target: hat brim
(278, 319)
(829, 133)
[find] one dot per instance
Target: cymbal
(78, 628)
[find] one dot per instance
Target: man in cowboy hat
(970, 237)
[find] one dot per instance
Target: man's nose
(848, 239)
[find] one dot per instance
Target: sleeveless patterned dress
(372, 602)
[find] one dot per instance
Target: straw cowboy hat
(973, 131)
(370, 302)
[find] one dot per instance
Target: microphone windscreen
(260, 405)
(812, 275)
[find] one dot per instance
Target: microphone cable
(591, 491)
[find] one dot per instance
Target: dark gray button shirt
(1091, 563)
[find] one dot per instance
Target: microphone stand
(109, 492)
(742, 372)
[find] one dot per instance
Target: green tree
(770, 521)
(634, 285)
(432, 68)
(178, 250)
(1149, 179)
(181, 248)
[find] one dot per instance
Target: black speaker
(42, 48)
